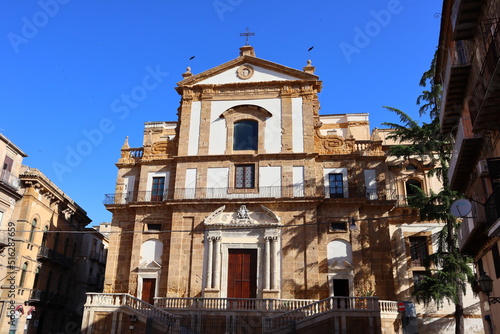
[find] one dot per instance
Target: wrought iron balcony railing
(258, 192)
(52, 255)
(492, 207)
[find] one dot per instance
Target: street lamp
(486, 285)
(353, 226)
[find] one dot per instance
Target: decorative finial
(188, 73)
(247, 34)
(309, 68)
(125, 144)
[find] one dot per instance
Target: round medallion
(245, 72)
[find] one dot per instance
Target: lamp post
(486, 285)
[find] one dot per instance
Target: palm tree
(449, 271)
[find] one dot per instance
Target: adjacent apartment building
(252, 210)
(468, 67)
(47, 257)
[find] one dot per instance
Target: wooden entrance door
(148, 290)
(242, 273)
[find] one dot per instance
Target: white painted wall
(217, 182)
(298, 181)
(218, 126)
(327, 171)
(270, 181)
(260, 74)
(339, 251)
(128, 188)
(371, 184)
(151, 250)
(297, 126)
(190, 185)
(194, 128)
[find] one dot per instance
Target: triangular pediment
(246, 69)
(152, 265)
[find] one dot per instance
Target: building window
(336, 185)
(496, 259)
(56, 241)
(246, 135)
(411, 190)
(32, 230)
(44, 238)
(418, 276)
(24, 268)
(418, 251)
(245, 177)
(338, 227)
(66, 246)
(158, 188)
(154, 227)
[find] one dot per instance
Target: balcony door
(242, 273)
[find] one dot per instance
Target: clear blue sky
(67, 66)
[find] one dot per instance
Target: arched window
(66, 245)
(246, 135)
(56, 241)
(410, 187)
(411, 190)
(44, 238)
(32, 231)
(37, 276)
(24, 268)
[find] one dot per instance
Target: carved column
(267, 269)
(275, 269)
(216, 271)
(209, 265)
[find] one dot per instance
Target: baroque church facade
(252, 194)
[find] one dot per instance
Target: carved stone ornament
(243, 217)
(333, 143)
(245, 72)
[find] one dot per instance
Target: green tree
(449, 270)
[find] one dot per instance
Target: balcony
(484, 111)
(291, 192)
(472, 229)
(10, 180)
(45, 297)
(464, 16)
(492, 208)
(465, 153)
(456, 78)
(46, 253)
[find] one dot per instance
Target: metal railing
(50, 254)
(492, 207)
(258, 192)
